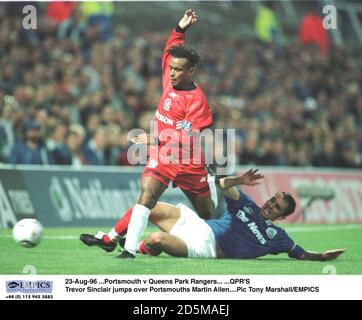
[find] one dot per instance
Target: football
(27, 232)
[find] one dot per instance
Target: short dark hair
(186, 51)
(290, 204)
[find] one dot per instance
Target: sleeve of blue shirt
(233, 205)
(296, 252)
(285, 244)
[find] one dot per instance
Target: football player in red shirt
(182, 113)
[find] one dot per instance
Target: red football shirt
(185, 112)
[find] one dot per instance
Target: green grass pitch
(60, 252)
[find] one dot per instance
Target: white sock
(213, 191)
(136, 226)
(113, 235)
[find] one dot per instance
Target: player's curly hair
(290, 204)
(186, 51)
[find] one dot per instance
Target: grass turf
(60, 252)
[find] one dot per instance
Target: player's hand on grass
(332, 254)
(325, 256)
(188, 20)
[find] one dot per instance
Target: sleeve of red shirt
(174, 39)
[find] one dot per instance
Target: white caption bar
(131, 287)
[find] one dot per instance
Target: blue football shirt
(241, 232)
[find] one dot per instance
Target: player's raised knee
(156, 239)
(154, 242)
(148, 199)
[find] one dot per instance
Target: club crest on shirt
(271, 232)
(167, 104)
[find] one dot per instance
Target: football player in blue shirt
(244, 231)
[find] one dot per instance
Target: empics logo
(13, 284)
(41, 286)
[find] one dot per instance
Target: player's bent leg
(151, 190)
(158, 242)
(164, 216)
(120, 228)
(203, 205)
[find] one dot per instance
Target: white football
(27, 232)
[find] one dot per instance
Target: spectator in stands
(327, 156)
(304, 155)
(113, 150)
(279, 153)
(249, 154)
(265, 153)
(312, 31)
(99, 14)
(59, 11)
(267, 25)
(9, 77)
(57, 135)
(349, 157)
(70, 153)
(7, 136)
(72, 28)
(76, 81)
(94, 150)
(31, 150)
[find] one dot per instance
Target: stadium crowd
(72, 89)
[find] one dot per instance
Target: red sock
(106, 238)
(120, 227)
(122, 224)
(142, 248)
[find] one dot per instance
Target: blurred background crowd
(71, 89)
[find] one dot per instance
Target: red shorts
(193, 180)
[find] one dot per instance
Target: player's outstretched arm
(144, 138)
(249, 178)
(188, 20)
(325, 256)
